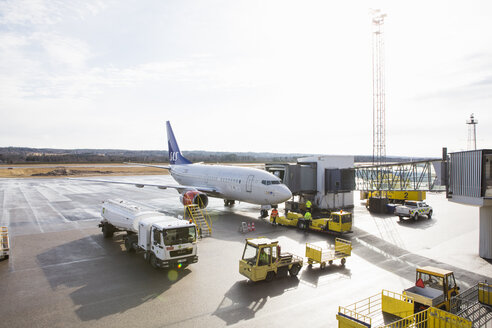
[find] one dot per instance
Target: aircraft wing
(166, 167)
(180, 188)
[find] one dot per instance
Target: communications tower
(378, 90)
(472, 132)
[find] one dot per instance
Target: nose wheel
(263, 213)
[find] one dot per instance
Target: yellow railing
(192, 210)
(431, 318)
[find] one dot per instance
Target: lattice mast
(378, 90)
(472, 132)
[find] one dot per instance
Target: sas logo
(173, 156)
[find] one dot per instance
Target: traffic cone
(253, 226)
(249, 226)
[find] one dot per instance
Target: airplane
(199, 181)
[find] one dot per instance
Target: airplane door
(249, 183)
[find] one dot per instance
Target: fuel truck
(164, 241)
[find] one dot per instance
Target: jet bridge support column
(485, 241)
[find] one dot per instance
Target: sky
(285, 76)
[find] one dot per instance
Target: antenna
(472, 132)
(378, 90)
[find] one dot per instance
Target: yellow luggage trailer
(392, 310)
(291, 220)
(339, 222)
(316, 254)
(474, 304)
(4, 243)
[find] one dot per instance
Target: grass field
(75, 170)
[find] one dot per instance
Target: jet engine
(194, 197)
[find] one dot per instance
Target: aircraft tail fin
(175, 157)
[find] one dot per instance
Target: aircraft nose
(285, 194)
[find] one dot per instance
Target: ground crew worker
(307, 219)
(274, 215)
(308, 206)
(263, 258)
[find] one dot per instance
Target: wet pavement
(63, 273)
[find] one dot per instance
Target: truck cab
(262, 260)
(339, 221)
(170, 245)
(433, 287)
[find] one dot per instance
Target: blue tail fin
(175, 156)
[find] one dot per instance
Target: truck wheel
(323, 265)
(270, 275)
(153, 261)
(429, 216)
(330, 262)
(128, 245)
(400, 218)
(107, 231)
(416, 217)
(343, 261)
(294, 270)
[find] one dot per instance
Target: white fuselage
(234, 183)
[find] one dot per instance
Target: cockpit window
(270, 182)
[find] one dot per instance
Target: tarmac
(63, 273)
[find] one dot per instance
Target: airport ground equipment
(433, 287)
(200, 218)
(263, 260)
(4, 243)
(338, 222)
(474, 304)
(394, 196)
(327, 181)
(164, 241)
(316, 254)
(413, 209)
(392, 310)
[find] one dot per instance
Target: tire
(323, 265)
(429, 216)
(270, 275)
(330, 262)
(416, 216)
(294, 270)
(6, 257)
(153, 261)
(107, 231)
(128, 245)
(343, 261)
(263, 213)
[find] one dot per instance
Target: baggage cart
(317, 254)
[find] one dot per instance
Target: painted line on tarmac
(32, 210)
(59, 264)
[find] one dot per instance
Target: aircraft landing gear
(228, 202)
(263, 214)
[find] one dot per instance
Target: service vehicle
(317, 254)
(263, 260)
(433, 287)
(338, 222)
(4, 243)
(413, 209)
(164, 241)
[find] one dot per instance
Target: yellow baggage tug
(263, 260)
(338, 222)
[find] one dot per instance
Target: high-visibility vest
(308, 204)
(307, 216)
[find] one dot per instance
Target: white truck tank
(127, 216)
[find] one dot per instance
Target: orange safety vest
(274, 213)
